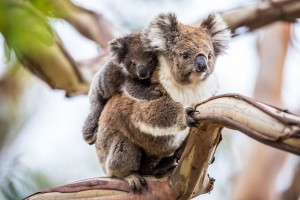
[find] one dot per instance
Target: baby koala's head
(131, 56)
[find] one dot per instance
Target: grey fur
(121, 74)
(152, 133)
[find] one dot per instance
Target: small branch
(261, 14)
(90, 24)
(270, 125)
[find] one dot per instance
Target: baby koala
(128, 70)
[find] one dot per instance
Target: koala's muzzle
(201, 63)
(142, 72)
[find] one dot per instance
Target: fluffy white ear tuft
(160, 32)
(218, 30)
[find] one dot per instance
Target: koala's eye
(185, 55)
(209, 56)
(133, 64)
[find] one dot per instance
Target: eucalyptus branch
(258, 15)
(264, 123)
(90, 24)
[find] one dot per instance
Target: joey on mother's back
(128, 70)
(135, 135)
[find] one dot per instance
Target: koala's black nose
(142, 72)
(201, 63)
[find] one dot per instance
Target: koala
(129, 71)
(134, 136)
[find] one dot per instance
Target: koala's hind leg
(123, 161)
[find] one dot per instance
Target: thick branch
(267, 124)
(272, 126)
(265, 12)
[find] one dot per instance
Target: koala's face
(189, 51)
(130, 54)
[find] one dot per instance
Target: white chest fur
(187, 95)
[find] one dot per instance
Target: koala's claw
(156, 94)
(191, 111)
(136, 183)
(90, 136)
(190, 120)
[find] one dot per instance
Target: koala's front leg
(90, 127)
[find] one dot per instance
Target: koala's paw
(136, 182)
(90, 136)
(190, 120)
(155, 94)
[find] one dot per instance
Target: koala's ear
(218, 30)
(161, 32)
(119, 48)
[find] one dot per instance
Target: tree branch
(266, 12)
(262, 122)
(90, 24)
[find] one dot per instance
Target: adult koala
(134, 135)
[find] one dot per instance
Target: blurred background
(41, 141)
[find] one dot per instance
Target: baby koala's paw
(136, 182)
(190, 120)
(90, 136)
(155, 94)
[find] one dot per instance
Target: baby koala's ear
(218, 30)
(161, 32)
(119, 48)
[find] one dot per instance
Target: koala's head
(131, 55)
(189, 51)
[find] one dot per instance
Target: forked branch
(269, 125)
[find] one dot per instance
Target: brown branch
(90, 24)
(267, 124)
(261, 14)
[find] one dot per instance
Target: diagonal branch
(258, 15)
(267, 124)
(90, 24)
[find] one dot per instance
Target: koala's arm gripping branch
(269, 125)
